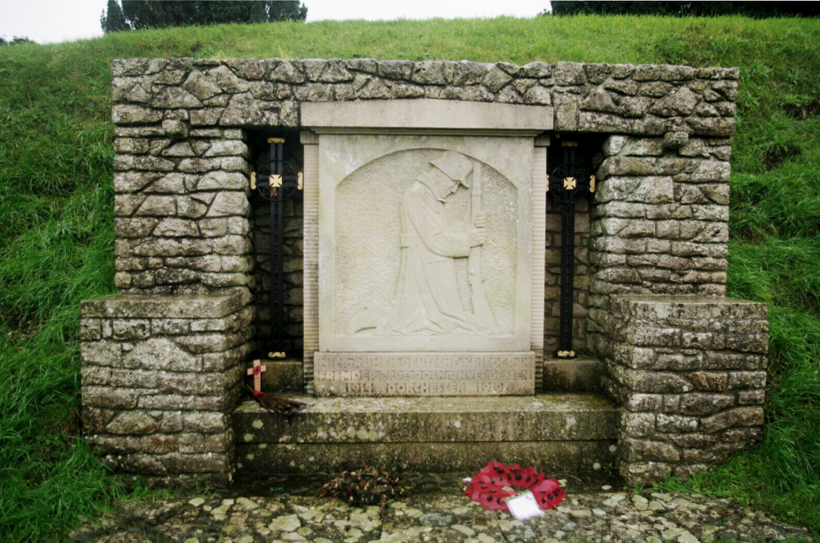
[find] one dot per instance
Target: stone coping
(157, 306)
(647, 99)
(662, 307)
(399, 68)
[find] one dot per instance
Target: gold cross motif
(570, 183)
(257, 371)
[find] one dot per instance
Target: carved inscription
(424, 374)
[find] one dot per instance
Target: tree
(112, 19)
(138, 14)
(17, 40)
(700, 9)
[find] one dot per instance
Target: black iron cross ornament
(568, 184)
(277, 182)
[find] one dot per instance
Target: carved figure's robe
(426, 300)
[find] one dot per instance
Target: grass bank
(57, 242)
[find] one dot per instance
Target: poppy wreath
(487, 489)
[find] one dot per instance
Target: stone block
(645, 473)
(582, 374)
(133, 423)
(639, 450)
(283, 376)
(677, 424)
(103, 353)
(207, 423)
(638, 424)
(709, 381)
(126, 114)
(747, 380)
(740, 416)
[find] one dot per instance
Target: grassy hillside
(57, 242)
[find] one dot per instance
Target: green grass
(57, 242)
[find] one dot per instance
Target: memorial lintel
(426, 115)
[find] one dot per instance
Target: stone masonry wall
(602, 98)
(659, 222)
(182, 208)
(690, 376)
(161, 373)
(182, 164)
(160, 379)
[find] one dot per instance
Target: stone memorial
(416, 267)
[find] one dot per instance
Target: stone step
(582, 374)
(566, 432)
(282, 375)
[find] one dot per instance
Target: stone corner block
(151, 306)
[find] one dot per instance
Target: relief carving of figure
(426, 300)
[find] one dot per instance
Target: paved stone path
(442, 515)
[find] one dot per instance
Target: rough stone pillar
(690, 376)
(160, 379)
(182, 209)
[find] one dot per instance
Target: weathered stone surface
(397, 420)
(163, 354)
(148, 400)
(154, 307)
(242, 110)
(465, 457)
(438, 374)
(133, 423)
(131, 115)
(538, 95)
(569, 73)
(176, 228)
(175, 98)
(227, 148)
(201, 86)
(694, 406)
(659, 225)
(444, 515)
(226, 80)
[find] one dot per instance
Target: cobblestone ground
(436, 512)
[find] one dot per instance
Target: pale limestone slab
(424, 374)
(426, 114)
(364, 184)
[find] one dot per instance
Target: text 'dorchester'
(424, 374)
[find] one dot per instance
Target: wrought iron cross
(277, 182)
(568, 184)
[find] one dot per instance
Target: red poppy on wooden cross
(257, 371)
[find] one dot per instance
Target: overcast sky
(47, 21)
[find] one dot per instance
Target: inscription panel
(424, 374)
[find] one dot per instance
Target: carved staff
(481, 309)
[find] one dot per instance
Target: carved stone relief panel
(425, 243)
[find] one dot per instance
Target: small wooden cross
(257, 371)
